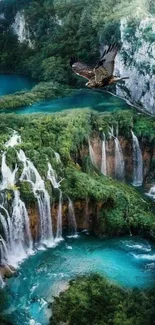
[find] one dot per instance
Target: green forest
(60, 29)
(95, 301)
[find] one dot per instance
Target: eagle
(102, 74)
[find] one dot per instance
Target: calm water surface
(10, 84)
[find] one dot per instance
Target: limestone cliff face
(148, 154)
(21, 29)
(137, 61)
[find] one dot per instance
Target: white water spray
(14, 140)
(31, 175)
(119, 161)
(137, 162)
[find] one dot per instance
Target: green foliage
(121, 207)
(95, 301)
(43, 90)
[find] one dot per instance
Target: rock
(136, 60)
(7, 271)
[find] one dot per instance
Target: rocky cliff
(137, 60)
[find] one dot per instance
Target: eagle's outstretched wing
(81, 69)
(106, 61)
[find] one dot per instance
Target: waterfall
(51, 175)
(71, 219)
(57, 156)
(59, 219)
(92, 154)
(151, 193)
(8, 177)
(103, 160)
(1, 281)
(21, 228)
(31, 175)
(119, 161)
(16, 229)
(3, 251)
(137, 162)
(6, 225)
(14, 140)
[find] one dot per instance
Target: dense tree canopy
(92, 300)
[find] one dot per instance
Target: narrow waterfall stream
(72, 220)
(59, 219)
(119, 161)
(104, 158)
(137, 162)
(92, 154)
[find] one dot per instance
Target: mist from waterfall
(31, 175)
(72, 225)
(104, 158)
(92, 154)
(119, 161)
(137, 162)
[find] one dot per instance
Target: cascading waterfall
(57, 156)
(92, 154)
(8, 176)
(15, 239)
(31, 175)
(119, 161)
(6, 224)
(16, 229)
(3, 251)
(51, 175)
(151, 193)
(103, 159)
(59, 219)
(71, 219)
(21, 233)
(137, 162)
(2, 284)
(14, 140)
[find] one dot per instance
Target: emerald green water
(129, 262)
(10, 84)
(98, 100)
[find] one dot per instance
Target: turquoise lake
(82, 98)
(10, 84)
(128, 261)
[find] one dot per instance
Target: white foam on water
(145, 257)
(141, 247)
